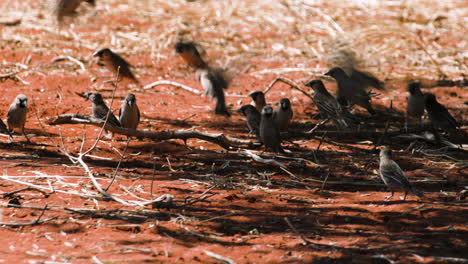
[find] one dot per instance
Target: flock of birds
(263, 121)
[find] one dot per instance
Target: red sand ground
(244, 220)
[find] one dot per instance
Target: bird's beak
(309, 84)
(23, 103)
(130, 102)
(327, 73)
(97, 54)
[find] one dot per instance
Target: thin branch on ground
(29, 188)
(219, 257)
(288, 82)
(227, 143)
(171, 83)
(37, 221)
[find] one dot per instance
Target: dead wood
(227, 143)
(37, 221)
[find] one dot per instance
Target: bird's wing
(328, 105)
(217, 78)
(394, 175)
(207, 84)
(367, 79)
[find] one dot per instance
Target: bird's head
(285, 104)
(385, 152)
(336, 72)
(317, 85)
(102, 53)
(130, 99)
(257, 96)
(22, 100)
(414, 88)
(267, 111)
(245, 109)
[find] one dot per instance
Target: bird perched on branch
(259, 101)
(350, 91)
(393, 176)
(439, 115)
(283, 114)
(115, 64)
(329, 107)
(212, 80)
(269, 132)
(64, 8)
(100, 109)
(16, 117)
(129, 113)
(415, 103)
(253, 119)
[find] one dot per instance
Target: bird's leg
(389, 197)
(406, 124)
(404, 198)
(26, 136)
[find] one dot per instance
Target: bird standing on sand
(16, 117)
(212, 80)
(100, 109)
(392, 175)
(329, 107)
(415, 103)
(115, 64)
(269, 132)
(283, 114)
(350, 91)
(439, 115)
(129, 113)
(259, 101)
(253, 119)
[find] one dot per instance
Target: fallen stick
(257, 158)
(29, 188)
(37, 221)
(219, 257)
(70, 58)
(178, 85)
(288, 82)
(218, 139)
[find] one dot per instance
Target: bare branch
(178, 85)
(227, 143)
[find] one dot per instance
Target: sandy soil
(330, 193)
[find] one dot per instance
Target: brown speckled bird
(350, 91)
(212, 80)
(283, 114)
(415, 103)
(253, 119)
(269, 132)
(392, 175)
(64, 8)
(16, 117)
(100, 109)
(129, 113)
(439, 115)
(329, 107)
(115, 64)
